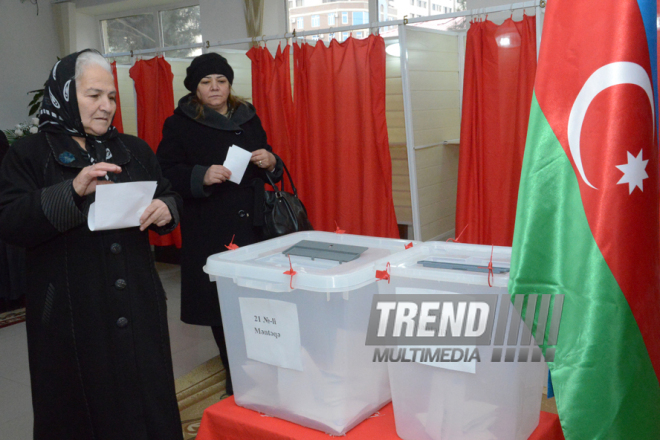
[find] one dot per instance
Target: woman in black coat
(12, 261)
(216, 212)
(98, 344)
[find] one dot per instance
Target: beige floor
(191, 347)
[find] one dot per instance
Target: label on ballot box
(272, 332)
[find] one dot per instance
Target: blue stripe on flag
(649, 15)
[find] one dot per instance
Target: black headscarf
(59, 112)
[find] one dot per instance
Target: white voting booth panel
(486, 400)
(299, 353)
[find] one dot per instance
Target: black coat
(212, 215)
(98, 343)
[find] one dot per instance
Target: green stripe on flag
(603, 379)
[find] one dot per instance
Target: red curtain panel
(155, 103)
(500, 67)
(117, 122)
(341, 157)
(155, 97)
(271, 95)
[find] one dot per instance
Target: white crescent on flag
(613, 74)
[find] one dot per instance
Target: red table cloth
(227, 421)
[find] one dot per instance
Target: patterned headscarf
(59, 108)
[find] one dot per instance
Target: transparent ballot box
(295, 311)
(495, 396)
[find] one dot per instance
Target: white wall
(274, 17)
(29, 47)
(225, 20)
(88, 33)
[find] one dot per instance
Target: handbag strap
(274, 185)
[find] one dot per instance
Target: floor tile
(16, 400)
(186, 360)
(19, 428)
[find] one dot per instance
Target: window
(180, 27)
(331, 19)
(358, 34)
(330, 37)
(315, 38)
(436, 7)
(316, 20)
(344, 36)
(299, 23)
(151, 30)
(121, 35)
(360, 17)
(299, 2)
(344, 17)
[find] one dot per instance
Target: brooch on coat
(66, 157)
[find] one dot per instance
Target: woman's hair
(88, 58)
(233, 102)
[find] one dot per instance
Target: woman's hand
(157, 213)
(86, 180)
(264, 159)
(216, 174)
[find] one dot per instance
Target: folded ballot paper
(120, 205)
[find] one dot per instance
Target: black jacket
(98, 343)
(213, 215)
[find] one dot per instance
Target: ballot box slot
(459, 266)
(341, 253)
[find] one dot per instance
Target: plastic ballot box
(488, 386)
(295, 311)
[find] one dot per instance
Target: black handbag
(284, 212)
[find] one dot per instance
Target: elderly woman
(100, 363)
(216, 211)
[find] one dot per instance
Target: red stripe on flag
(616, 127)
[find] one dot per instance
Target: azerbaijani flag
(587, 217)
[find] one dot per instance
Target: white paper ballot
(120, 205)
(237, 161)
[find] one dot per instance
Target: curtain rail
(374, 25)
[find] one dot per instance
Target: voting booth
(295, 311)
(497, 398)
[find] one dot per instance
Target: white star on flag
(634, 172)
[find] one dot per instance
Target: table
(227, 421)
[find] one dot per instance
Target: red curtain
(117, 122)
(155, 103)
(155, 97)
(341, 157)
(500, 66)
(271, 95)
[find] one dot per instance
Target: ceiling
(100, 7)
